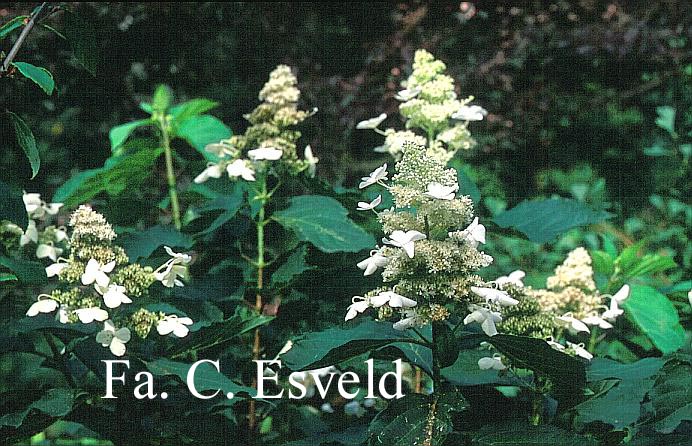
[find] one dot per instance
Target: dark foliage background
(566, 82)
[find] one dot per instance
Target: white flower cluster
(430, 248)
(97, 279)
(430, 104)
(49, 239)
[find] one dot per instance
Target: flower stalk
(170, 173)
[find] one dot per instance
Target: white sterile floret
(404, 240)
(474, 233)
(37, 208)
(376, 260)
(379, 174)
(30, 235)
(411, 319)
(596, 320)
(441, 192)
(371, 123)
(493, 295)
(573, 324)
(42, 305)
(514, 278)
(174, 324)
(113, 295)
(212, 171)
(364, 206)
(178, 257)
(48, 250)
(241, 168)
(55, 268)
(407, 94)
(579, 350)
(484, 316)
(265, 153)
(88, 315)
(312, 161)
(491, 363)
(97, 273)
(470, 113)
(114, 339)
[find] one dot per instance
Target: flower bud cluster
(430, 105)
(269, 138)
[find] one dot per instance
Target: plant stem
(170, 174)
(437, 377)
(256, 345)
(22, 37)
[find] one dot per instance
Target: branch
(22, 37)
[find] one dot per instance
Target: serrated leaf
(543, 220)
(324, 222)
(199, 131)
(115, 177)
(12, 206)
(141, 244)
(521, 434)
(207, 378)
(328, 347)
(293, 266)
(602, 262)
(633, 381)
(672, 396)
(416, 419)
(55, 403)
(656, 317)
(650, 264)
(26, 140)
(567, 373)
(191, 108)
(39, 75)
(119, 134)
(82, 38)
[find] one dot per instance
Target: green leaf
(666, 118)
(243, 321)
(416, 354)
(521, 434)
(567, 373)
(82, 38)
(26, 271)
(11, 25)
(324, 222)
(207, 378)
(447, 345)
(26, 140)
(12, 206)
(650, 264)
(119, 134)
(602, 262)
(141, 244)
(656, 316)
(293, 266)
(632, 382)
(416, 419)
(191, 108)
(7, 277)
(199, 131)
(328, 347)
(38, 75)
(120, 173)
(55, 403)
(672, 396)
(465, 371)
(163, 98)
(468, 187)
(230, 204)
(543, 220)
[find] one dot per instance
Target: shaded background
(569, 85)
